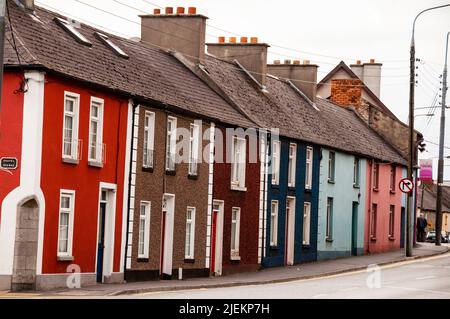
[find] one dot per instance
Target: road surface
(419, 279)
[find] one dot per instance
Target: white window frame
(149, 140)
(292, 164)
(99, 149)
(331, 166)
(276, 153)
(309, 167)
(171, 143)
(357, 172)
(274, 223)
(146, 220)
(237, 224)
(190, 224)
(75, 123)
(329, 219)
(71, 212)
(194, 139)
(238, 163)
(307, 223)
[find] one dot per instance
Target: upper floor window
(239, 149)
(96, 147)
(307, 223)
(292, 164)
(235, 232)
(190, 233)
(276, 150)
(194, 149)
(144, 230)
(373, 221)
(65, 228)
(309, 167)
(331, 166)
(171, 144)
(149, 140)
(393, 180)
(71, 144)
(356, 172)
(274, 224)
(376, 176)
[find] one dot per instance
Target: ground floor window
(307, 224)
(235, 230)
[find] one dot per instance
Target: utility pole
(2, 49)
(438, 221)
(412, 143)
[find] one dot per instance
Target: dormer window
(70, 28)
(107, 41)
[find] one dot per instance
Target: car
(431, 237)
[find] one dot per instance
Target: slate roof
(429, 198)
(150, 73)
(155, 75)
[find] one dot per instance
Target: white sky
(323, 31)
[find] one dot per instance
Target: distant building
(427, 205)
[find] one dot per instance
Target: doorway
(217, 238)
(290, 232)
(167, 228)
(402, 228)
(355, 209)
(25, 252)
(101, 236)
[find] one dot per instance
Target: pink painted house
(383, 226)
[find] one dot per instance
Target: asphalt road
(420, 279)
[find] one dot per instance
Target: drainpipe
(372, 167)
(135, 105)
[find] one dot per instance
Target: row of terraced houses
(168, 158)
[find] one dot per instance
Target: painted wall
(383, 197)
(344, 194)
(10, 131)
(248, 202)
(275, 256)
(83, 179)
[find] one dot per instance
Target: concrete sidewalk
(266, 276)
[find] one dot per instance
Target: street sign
(406, 186)
(8, 163)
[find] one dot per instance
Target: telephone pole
(412, 147)
(438, 221)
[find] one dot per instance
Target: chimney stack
(370, 74)
(180, 31)
(27, 4)
(346, 92)
(252, 55)
(304, 76)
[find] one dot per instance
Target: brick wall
(346, 92)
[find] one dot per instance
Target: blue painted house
(292, 201)
(342, 202)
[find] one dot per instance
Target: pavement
(262, 277)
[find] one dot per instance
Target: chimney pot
(372, 61)
(296, 62)
(180, 10)
(192, 10)
(287, 61)
(232, 39)
(277, 62)
(306, 62)
(157, 11)
(221, 39)
(358, 62)
(244, 40)
(169, 10)
(254, 40)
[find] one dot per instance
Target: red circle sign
(406, 186)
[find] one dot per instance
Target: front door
(402, 228)
(214, 240)
(355, 229)
(101, 242)
(290, 233)
(163, 237)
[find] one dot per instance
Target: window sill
(308, 190)
(238, 189)
(391, 238)
(273, 248)
(193, 177)
(291, 186)
(66, 258)
(393, 192)
(147, 169)
(373, 239)
(95, 164)
(376, 190)
(357, 186)
(330, 181)
(171, 173)
(276, 186)
(143, 260)
(305, 246)
(329, 240)
(189, 261)
(235, 258)
(70, 161)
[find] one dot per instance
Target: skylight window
(71, 29)
(105, 39)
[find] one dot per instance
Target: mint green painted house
(342, 199)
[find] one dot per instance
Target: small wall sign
(8, 163)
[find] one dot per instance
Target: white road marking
(426, 277)
(420, 290)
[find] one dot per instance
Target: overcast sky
(323, 31)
